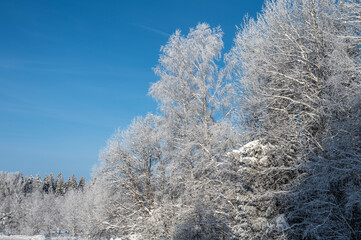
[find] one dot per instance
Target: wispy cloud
(154, 30)
(21, 64)
(62, 68)
(16, 104)
(55, 114)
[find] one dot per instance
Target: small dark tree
(52, 182)
(28, 186)
(60, 186)
(81, 184)
(46, 184)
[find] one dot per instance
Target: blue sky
(71, 72)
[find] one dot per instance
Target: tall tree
(298, 67)
(192, 94)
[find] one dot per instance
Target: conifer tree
(82, 183)
(46, 184)
(67, 185)
(52, 182)
(37, 185)
(60, 185)
(72, 184)
(28, 186)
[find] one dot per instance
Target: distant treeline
(30, 205)
(48, 185)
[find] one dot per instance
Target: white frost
(253, 153)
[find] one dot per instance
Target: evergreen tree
(28, 186)
(81, 184)
(37, 184)
(52, 182)
(60, 185)
(46, 184)
(72, 183)
(67, 185)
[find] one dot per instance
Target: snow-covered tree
(192, 95)
(33, 221)
(71, 212)
(298, 67)
(11, 195)
(28, 186)
(73, 184)
(52, 182)
(81, 184)
(132, 163)
(67, 184)
(60, 185)
(196, 132)
(46, 188)
(97, 210)
(37, 183)
(50, 214)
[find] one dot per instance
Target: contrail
(160, 32)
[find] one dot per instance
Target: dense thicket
(288, 97)
(298, 66)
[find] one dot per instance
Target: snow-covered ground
(35, 237)
(22, 237)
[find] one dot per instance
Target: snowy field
(35, 237)
(22, 237)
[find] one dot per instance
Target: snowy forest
(260, 142)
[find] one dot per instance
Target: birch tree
(193, 96)
(133, 165)
(191, 93)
